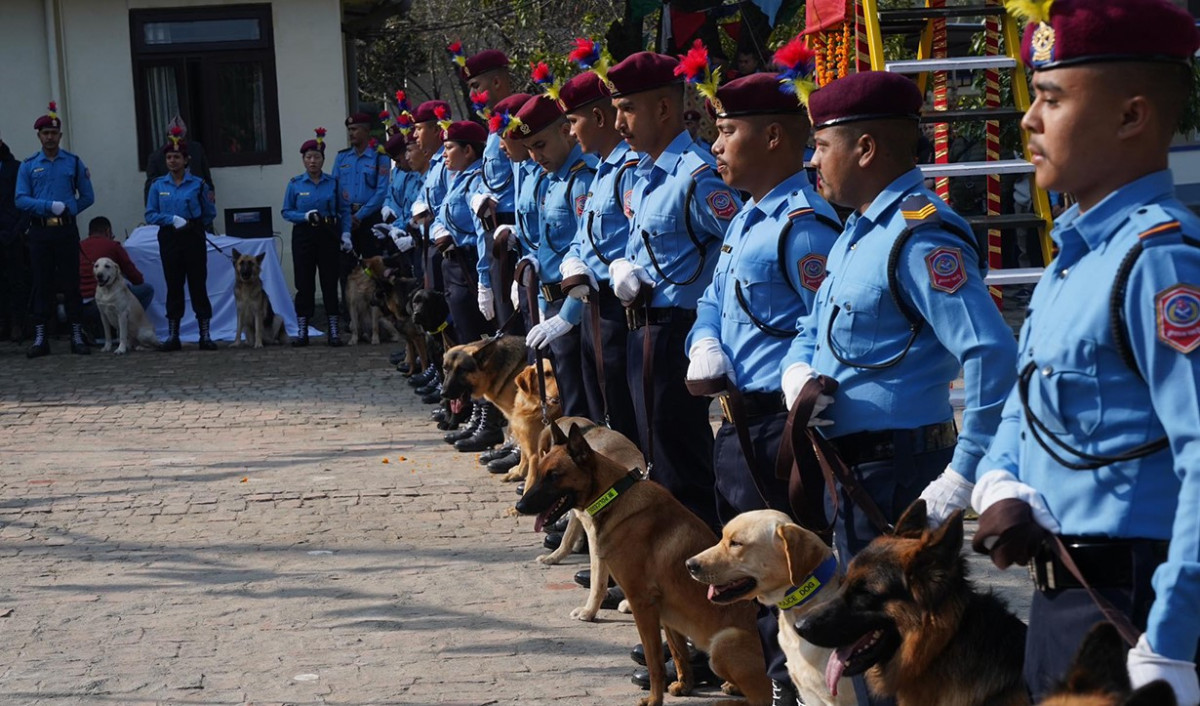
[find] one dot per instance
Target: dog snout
(694, 567)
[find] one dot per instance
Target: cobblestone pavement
(222, 528)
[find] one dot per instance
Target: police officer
(54, 187)
(767, 275)
(179, 205)
(361, 171)
(601, 237)
(569, 175)
(403, 190)
(902, 308)
(312, 203)
(679, 210)
(1099, 437)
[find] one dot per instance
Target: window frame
(206, 59)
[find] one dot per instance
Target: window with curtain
(214, 67)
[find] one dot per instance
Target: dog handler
(179, 205)
(1100, 440)
(312, 204)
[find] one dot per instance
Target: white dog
(120, 310)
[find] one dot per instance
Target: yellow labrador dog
(120, 310)
(763, 555)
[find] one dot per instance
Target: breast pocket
(659, 232)
(1065, 393)
(855, 325)
(558, 228)
(756, 295)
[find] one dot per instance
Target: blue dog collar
(809, 587)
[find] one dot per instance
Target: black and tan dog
(364, 302)
(1098, 676)
(487, 368)
(256, 320)
(393, 294)
(644, 536)
(908, 617)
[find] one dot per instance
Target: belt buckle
(1041, 571)
(546, 293)
(54, 221)
(726, 409)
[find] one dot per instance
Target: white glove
(404, 242)
(178, 221)
(514, 296)
(420, 209)
(439, 231)
(947, 493)
(996, 485)
(572, 267)
(540, 336)
(532, 259)
(483, 204)
(794, 378)
(312, 216)
(388, 214)
(381, 230)
(708, 360)
(57, 207)
(347, 246)
(487, 303)
(1145, 666)
(627, 279)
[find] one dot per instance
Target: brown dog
(395, 294)
(1098, 676)
(255, 317)
(763, 555)
(363, 301)
(908, 617)
(644, 536)
(525, 418)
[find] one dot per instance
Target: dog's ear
(802, 552)
(1099, 665)
(913, 522)
(260, 257)
(236, 254)
(556, 433)
(938, 564)
(1157, 693)
(577, 446)
(523, 381)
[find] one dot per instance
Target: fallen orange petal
(385, 460)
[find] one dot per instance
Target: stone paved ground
(221, 528)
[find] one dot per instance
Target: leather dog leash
(734, 406)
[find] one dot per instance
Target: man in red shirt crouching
(101, 243)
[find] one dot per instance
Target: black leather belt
(638, 317)
(53, 221)
(1105, 563)
(868, 446)
(506, 219)
(757, 404)
(355, 206)
(552, 292)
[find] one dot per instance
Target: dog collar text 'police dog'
(611, 494)
(799, 595)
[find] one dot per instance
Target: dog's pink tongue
(712, 591)
(834, 668)
(456, 406)
(539, 522)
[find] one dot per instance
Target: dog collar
(611, 494)
(809, 587)
(441, 328)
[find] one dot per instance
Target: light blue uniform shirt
(498, 174)
(41, 181)
(603, 231)
(562, 207)
(436, 182)
(770, 267)
(189, 199)
(939, 277)
(679, 259)
(1087, 396)
(531, 190)
(363, 180)
(404, 187)
(455, 213)
(304, 195)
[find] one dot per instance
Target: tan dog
(255, 317)
(765, 556)
(120, 310)
(525, 417)
(364, 300)
(644, 536)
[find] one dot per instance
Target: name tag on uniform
(38, 169)
(164, 193)
(304, 193)
(726, 248)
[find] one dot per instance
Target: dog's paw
(353, 340)
(679, 688)
(237, 344)
(258, 345)
(582, 613)
(511, 511)
(122, 350)
(512, 476)
(650, 701)
(547, 559)
(623, 607)
(107, 348)
(730, 689)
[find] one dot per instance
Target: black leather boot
(466, 430)
(206, 342)
(784, 694)
(301, 339)
(78, 345)
(488, 456)
(422, 378)
(40, 345)
(172, 343)
(505, 463)
(488, 434)
(334, 339)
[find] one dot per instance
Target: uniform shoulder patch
(699, 170)
(946, 270)
(580, 202)
(1177, 310)
(627, 203)
(722, 204)
(631, 163)
(578, 165)
(812, 271)
(918, 209)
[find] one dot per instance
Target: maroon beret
(427, 111)
(483, 62)
(756, 94)
(311, 145)
(580, 91)
(538, 114)
(50, 119)
(359, 118)
(867, 95)
(395, 145)
(466, 131)
(643, 71)
(1086, 31)
(511, 104)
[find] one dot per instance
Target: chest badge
(1178, 312)
(627, 203)
(812, 272)
(580, 202)
(946, 271)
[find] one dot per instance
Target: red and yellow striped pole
(992, 100)
(941, 132)
(862, 45)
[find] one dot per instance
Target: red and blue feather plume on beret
(797, 64)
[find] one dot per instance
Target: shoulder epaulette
(578, 165)
(344, 149)
(919, 210)
(1153, 220)
(700, 170)
(298, 177)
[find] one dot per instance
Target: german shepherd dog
(393, 295)
(364, 303)
(487, 368)
(255, 317)
(907, 616)
(644, 535)
(1098, 677)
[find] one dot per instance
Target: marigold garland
(833, 48)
